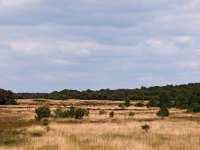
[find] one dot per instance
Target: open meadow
(20, 131)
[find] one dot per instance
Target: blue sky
(48, 45)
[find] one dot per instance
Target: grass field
(20, 131)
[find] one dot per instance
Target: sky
(48, 45)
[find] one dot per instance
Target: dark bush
(163, 112)
(79, 113)
(87, 112)
(6, 97)
(111, 114)
(45, 122)
(121, 105)
(153, 102)
(195, 108)
(127, 103)
(42, 112)
(145, 127)
(102, 112)
(72, 112)
(131, 114)
(139, 104)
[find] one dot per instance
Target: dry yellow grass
(180, 131)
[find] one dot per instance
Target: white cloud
(49, 47)
(159, 47)
(195, 65)
(188, 40)
(61, 61)
(15, 3)
(65, 47)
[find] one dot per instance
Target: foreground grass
(178, 132)
(111, 136)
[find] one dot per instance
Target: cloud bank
(48, 45)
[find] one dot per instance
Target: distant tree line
(185, 96)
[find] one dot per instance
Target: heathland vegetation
(36, 124)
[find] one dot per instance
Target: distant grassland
(20, 131)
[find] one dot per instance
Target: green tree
(164, 99)
(153, 102)
(163, 112)
(6, 97)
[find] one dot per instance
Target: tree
(163, 112)
(194, 102)
(153, 102)
(6, 97)
(164, 99)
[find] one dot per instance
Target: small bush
(42, 112)
(153, 102)
(127, 103)
(87, 112)
(79, 113)
(163, 112)
(139, 104)
(102, 112)
(131, 114)
(111, 114)
(72, 112)
(145, 127)
(121, 105)
(45, 122)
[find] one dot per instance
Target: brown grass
(19, 131)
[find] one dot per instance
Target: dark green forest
(186, 96)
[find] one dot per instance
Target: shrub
(45, 122)
(163, 112)
(127, 103)
(131, 114)
(153, 102)
(42, 112)
(79, 113)
(58, 113)
(87, 112)
(111, 114)
(145, 127)
(195, 108)
(102, 112)
(139, 104)
(72, 112)
(121, 105)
